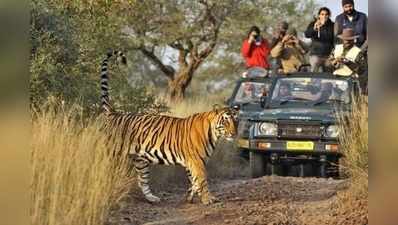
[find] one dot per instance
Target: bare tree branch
(166, 69)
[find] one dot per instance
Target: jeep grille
(299, 130)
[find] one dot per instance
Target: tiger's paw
(210, 199)
(189, 198)
(152, 198)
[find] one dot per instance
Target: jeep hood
(319, 114)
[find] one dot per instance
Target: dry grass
(226, 162)
(351, 206)
(75, 179)
(194, 105)
(354, 141)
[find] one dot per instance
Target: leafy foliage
(185, 40)
(68, 42)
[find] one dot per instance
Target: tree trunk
(178, 85)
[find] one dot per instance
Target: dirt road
(266, 200)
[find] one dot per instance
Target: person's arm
(332, 62)
(359, 65)
(363, 35)
(362, 63)
(277, 50)
(246, 49)
(302, 46)
(364, 47)
(329, 33)
(274, 41)
(337, 29)
(311, 32)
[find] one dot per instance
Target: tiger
(160, 139)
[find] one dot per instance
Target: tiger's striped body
(157, 139)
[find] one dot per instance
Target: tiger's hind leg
(141, 166)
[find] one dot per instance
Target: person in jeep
(246, 93)
(291, 51)
(348, 59)
(255, 49)
(284, 91)
(325, 92)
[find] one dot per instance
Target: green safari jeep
(291, 130)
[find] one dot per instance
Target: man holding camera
(279, 33)
(255, 49)
(277, 36)
(290, 50)
(347, 58)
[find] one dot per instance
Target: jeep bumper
(295, 147)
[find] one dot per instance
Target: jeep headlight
(267, 129)
(332, 131)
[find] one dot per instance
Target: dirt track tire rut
(265, 200)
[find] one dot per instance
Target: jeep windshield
(309, 91)
(250, 92)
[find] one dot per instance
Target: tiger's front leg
(191, 192)
(200, 186)
(141, 166)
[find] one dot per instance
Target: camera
(257, 38)
(344, 60)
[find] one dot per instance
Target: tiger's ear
(234, 111)
(235, 108)
(216, 107)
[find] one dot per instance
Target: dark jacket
(321, 45)
(359, 25)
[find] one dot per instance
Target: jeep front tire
(257, 164)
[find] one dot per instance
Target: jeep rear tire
(257, 164)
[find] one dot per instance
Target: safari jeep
(296, 133)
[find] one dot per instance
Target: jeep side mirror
(227, 101)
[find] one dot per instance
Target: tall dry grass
(354, 142)
(75, 179)
(351, 205)
(193, 105)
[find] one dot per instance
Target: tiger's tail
(105, 103)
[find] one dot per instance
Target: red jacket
(256, 55)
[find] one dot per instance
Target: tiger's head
(225, 126)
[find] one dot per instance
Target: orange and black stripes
(158, 139)
(167, 140)
(105, 104)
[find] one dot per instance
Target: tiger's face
(226, 124)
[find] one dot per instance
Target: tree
(190, 28)
(69, 40)
(183, 39)
(226, 60)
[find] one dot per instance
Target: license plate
(300, 145)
